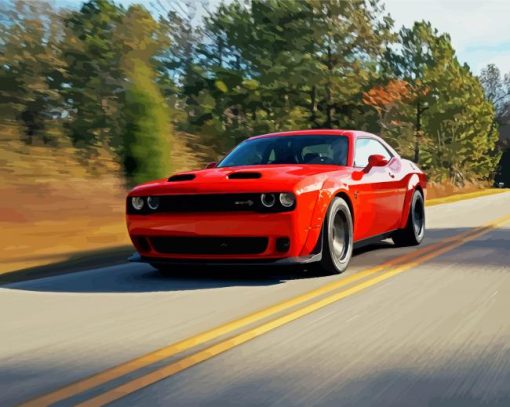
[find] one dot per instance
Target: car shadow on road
(140, 278)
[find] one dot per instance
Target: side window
(365, 147)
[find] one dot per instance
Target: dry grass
(441, 190)
(54, 205)
(464, 195)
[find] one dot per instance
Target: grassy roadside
(59, 208)
(463, 196)
(104, 242)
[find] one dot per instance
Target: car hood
(255, 178)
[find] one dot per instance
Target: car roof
(318, 132)
(351, 134)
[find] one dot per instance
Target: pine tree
(449, 115)
(146, 130)
(94, 79)
(31, 70)
(146, 126)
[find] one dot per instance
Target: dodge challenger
(299, 197)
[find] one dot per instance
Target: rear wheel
(337, 238)
(414, 231)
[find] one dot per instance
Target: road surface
(430, 327)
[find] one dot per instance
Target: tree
(125, 80)
(145, 122)
(276, 65)
(94, 79)
(387, 100)
(460, 118)
(497, 90)
(451, 117)
(112, 86)
(411, 62)
(31, 69)
(146, 128)
(350, 41)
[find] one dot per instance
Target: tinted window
(289, 150)
(365, 147)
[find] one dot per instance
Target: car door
(377, 193)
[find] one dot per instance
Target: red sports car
(283, 198)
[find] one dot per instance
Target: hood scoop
(181, 177)
(245, 175)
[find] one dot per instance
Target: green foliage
(146, 127)
(446, 118)
(108, 76)
(146, 152)
(277, 65)
(113, 89)
(459, 121)
(94, 77)
(497, 90)
(31, 69)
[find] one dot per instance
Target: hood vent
(245, 175)
(181, 177)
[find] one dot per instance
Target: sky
(479, 29)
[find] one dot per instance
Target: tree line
(126, 79)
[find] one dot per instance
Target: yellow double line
(378, 274)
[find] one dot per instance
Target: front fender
(328, 191)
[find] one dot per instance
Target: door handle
(391, 174)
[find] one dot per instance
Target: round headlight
(287, 199)
(268, 200)
(153, 202)
(137, 203)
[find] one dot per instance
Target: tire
(413, 233)
(337, 238)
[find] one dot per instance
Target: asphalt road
(430, 332)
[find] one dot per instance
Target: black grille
(209, 203)
(209, 245)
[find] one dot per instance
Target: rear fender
(416, 181)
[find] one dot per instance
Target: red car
(283, 198)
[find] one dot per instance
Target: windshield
(289, 150)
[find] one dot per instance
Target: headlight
(153, 202)
(137, 203)
(287, 199)
(268, 200)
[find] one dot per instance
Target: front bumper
(146, 231)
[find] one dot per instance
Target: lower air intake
(210, 245)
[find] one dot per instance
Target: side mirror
(375, 160)
(211, 165)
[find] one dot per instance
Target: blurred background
(98, 96)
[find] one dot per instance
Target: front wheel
(337, 238)
(414, 231)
